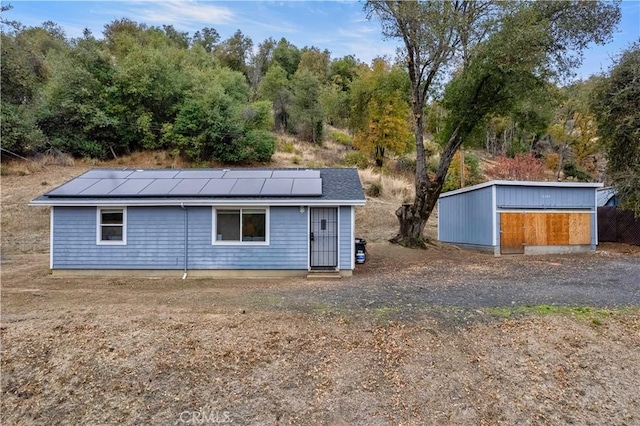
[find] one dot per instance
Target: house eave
(191, 202)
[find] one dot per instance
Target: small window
(240, 225)
(111, 226)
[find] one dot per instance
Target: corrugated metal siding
(345, 237)
(466, 218)
(542, 197)
(288, 248)
(154, 240)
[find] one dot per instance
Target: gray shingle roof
(201, 185)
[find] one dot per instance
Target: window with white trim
(112, 225)
(241, 225)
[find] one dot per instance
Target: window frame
(99, 225)
(214, 223)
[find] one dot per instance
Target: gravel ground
(469, 280)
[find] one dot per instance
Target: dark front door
(323, 238)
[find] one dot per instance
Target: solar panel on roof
(159, 187)
(103, 187)
(248, 174)
(131, 187)
(189, 187)
(296, 174)
(247, 187)
(200, 174)
(307, 187)
(106, 174)
(153, 174)
(218, 187)
(73, 187)
(277, 187)
(193, 183)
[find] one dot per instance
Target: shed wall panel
(544, 197)
(466, 218)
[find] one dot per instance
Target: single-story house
(205, 222)
(518, 217)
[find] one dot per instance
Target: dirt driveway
(407, 340)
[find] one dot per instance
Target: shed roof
(605, 194)
(522, 183)
(204, 186)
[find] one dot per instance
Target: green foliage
(571, 170)
(307, 114)
(472, 174)
(275, 88)
(356, 159)
(287, 56)
(234, 52)
(341, 138)
(617, 107)
(19, 132)
(258, 116)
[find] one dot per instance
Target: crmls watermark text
(203, 417)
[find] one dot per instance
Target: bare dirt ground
(442, 336)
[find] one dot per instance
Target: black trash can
(361, 250)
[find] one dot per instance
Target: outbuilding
(518, 217)
(205, 222)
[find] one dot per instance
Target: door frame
(338, 224)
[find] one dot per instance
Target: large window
(112, 226)
(240, 226)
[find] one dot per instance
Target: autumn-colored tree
(381, 112)
(520, 167)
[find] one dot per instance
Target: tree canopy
(617, 107)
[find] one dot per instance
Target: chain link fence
(617, 225)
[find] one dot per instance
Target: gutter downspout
(186, 239)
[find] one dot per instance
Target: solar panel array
(192, 183)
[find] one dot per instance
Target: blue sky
(339, 26)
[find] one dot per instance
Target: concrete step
(323, 275)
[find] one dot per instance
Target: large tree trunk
(413, 217)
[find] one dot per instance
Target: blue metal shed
(205, 222)
(519, 217)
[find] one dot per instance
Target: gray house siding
(155, 240)
(466, 218)
(544, 197)
(288, 247)
(346, 240)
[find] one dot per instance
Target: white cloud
(183, 13)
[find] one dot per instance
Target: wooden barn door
(543, 229)
(511, 233)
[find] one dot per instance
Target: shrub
(571, 170)
(406, 165)
(259, 145)
(375, 189)
(286, 146)
(341, 138)
(356, 159)
(520, 167)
